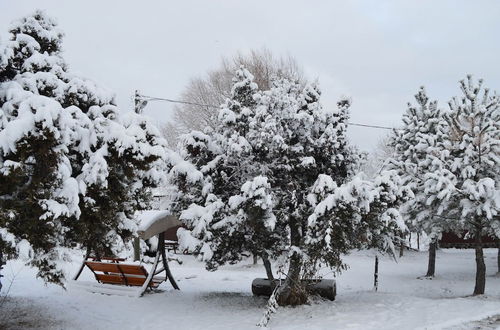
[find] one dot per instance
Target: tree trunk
(375, 275)
(401, 249)
(255, 259)
(431, 266)
(418, 241)
(137, 249)
(480, 266)
(498, 260)
(267, 266)
(292, 292)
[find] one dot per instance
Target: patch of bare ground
(22, 313)
(490, 323)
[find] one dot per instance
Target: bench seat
(121, 274)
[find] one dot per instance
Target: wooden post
(137, 249)
(375, 275)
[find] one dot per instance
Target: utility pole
(139, 102)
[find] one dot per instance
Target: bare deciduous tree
(213, 89)
(376, 160)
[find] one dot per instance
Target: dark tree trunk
(480, 266)
(137, 249)
(375, 275)
(431, 266)
(292, 291)
(498, 260)
(1, 267)
(269, 270)
(418, 241)
(255, 259)
(401, 249)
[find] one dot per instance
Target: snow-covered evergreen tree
(465, 187)
(218, 182)
(275, 178)
(72, 170)
(416, 145)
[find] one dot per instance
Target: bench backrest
(104, 267)
(116, 273)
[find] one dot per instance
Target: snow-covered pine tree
(218, 182)
(36, 186)
(416, 144)
(466, 187)
(72, 170)
(275, 176)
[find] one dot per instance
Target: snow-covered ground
(223, 300)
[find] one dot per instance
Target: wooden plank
(110, 278)
(107, 267)
(133, 269)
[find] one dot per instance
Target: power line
(371, 126)
(153, 98)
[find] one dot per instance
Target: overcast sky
(376, 52)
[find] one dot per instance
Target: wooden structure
(171, 240)
(112, 271)
(452, 240)
(323, 288)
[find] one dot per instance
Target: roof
(151, 223)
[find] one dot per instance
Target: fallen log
(323, 288)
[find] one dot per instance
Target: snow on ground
(223, 300)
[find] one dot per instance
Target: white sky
(377, 52)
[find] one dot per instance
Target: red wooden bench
(112, 271)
